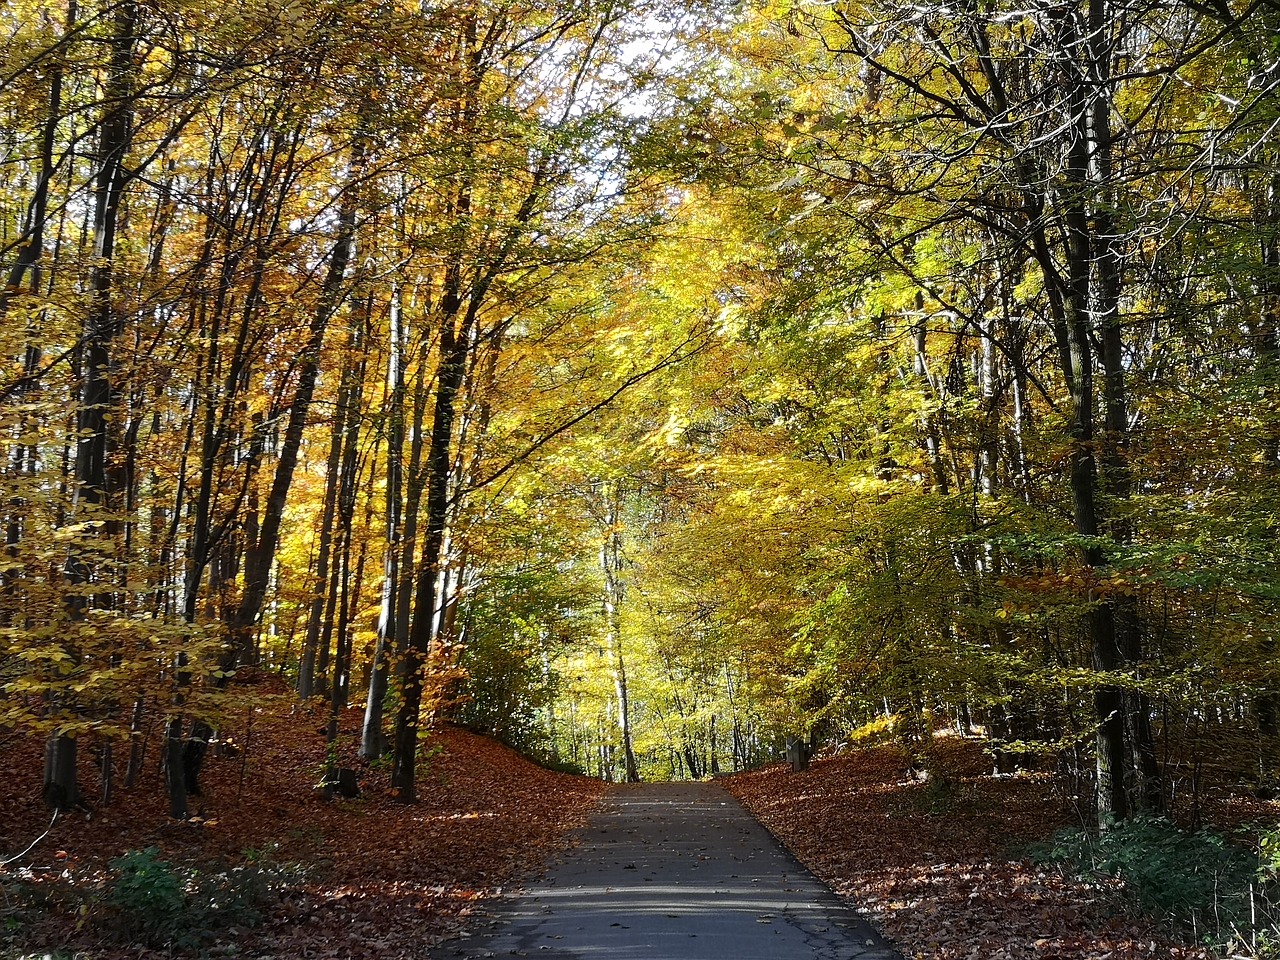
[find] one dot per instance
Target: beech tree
(937, 179)
(859, 367)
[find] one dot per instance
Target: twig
(14, 859)
(244, 754)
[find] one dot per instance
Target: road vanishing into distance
(674, 871)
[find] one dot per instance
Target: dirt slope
(938, 865)
(381, 879)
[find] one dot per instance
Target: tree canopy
(651, 385)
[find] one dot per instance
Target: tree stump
(798, 753)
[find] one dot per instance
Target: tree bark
(310, 665)
(1085, 299)
(454, 344)
(611, 567)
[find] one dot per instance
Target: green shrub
(164, 904)
(147, 895)
(1200, 882)
(548, 760)
(939, 795)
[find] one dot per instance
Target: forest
(655, 386)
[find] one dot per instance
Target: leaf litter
(944, 881)
(946, 877)
(376, 878)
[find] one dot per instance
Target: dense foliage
(647, 385)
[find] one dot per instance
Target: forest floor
(367, 877)
(938, 865)
(941, 865)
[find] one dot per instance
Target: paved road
(675, 871)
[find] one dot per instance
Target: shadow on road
(676, 871)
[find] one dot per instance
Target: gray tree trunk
(611, 562)
(372, 740)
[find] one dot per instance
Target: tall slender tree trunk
(1266, 338)
(458, 315)
(415, 486)
(348, 489)
(1108, 282)
(611, 566)
(27, 263)
(312, 663)
(93, 449)
(372, 741)
(1109, 701)
(454, 344)
(260, 554)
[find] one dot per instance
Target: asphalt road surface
(675, 871)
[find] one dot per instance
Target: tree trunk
(611, 566)
(92, 471)
(457, 319)
(372, 741)
(137, 745)
(1108, 281)
(449, 375)
(311, 666)
(261, 552)
(1266, 337)
(347, 489)
(29, 255)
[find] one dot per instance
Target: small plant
(558, 764)
(939, 794)
(147, 896)
(163, 904)
(1269, 854)
(1199, 882)
(252, 855)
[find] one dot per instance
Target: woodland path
(675, 871)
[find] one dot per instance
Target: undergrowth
(145, 900)
(1220, 890)
(151, 900)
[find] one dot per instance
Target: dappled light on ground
(374, 878)
(943, 871)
